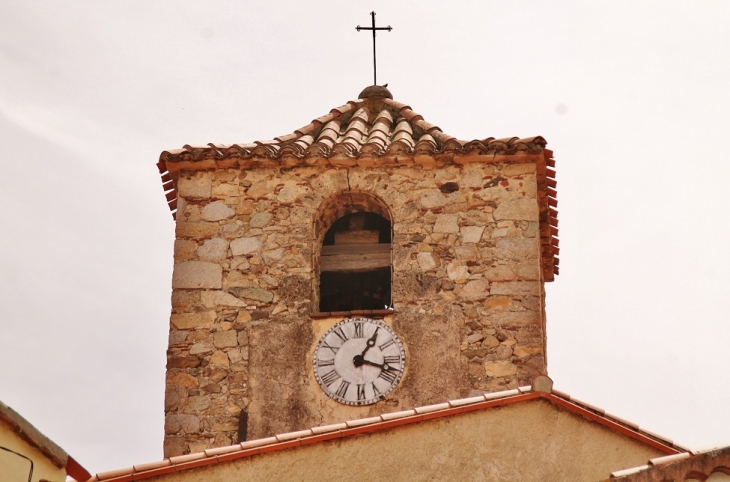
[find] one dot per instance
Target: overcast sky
(633, 97)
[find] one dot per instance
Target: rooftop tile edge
(286, 438)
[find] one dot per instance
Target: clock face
(359, 361)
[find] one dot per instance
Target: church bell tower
(366, 263)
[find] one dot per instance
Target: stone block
(183, 362)
(475, 289)
(195, 230)
(180, 379)
(175, 397)
(519, 248)
(242, 246)
(197, 274)
(472, 178)
(198, 403)
(174, 446)
(519, 209)
(259, 189)
(490, 341)
(271, 257)
(197, 187)
(528, 270)
(219, 358)
(467, 253)
(446, 223)
(192, 321)
(500, 368)
(214, 249)
(243, 317)
(212, 299)
(471, 234)
(175, 423)
(260, 220)
(185, 249)
(499, 273)
(201, 348)
(517, 318)
(433, 198)
(251, 293)
(516, 288)
(527, 350)
(474, 337)
(216, 211)
(225, 339)
(428, 261)
(184, 301)
(457, 272)
(497, 303)
(225, 189)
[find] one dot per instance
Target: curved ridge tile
(410, 115)
(398, 105)
(330, 131)
(426, 126)
(426, 145)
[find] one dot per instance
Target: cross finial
(374, 28)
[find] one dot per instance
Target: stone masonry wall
(467, 292)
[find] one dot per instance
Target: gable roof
(540, 389)
(31, 435)
(375, 130)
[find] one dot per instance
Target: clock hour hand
(370, 343)
(360, 361)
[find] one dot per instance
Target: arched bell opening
(353, 260)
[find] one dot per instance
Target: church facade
(367, 213)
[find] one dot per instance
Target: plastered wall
(14, 468)
(528, 441)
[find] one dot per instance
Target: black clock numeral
(391, 360)
(359, 330)
(340, 334)
(334, 349)
(388, 376)
(342, 389)
(361, 391)
(326, 363)
(376, 392)
(330, 377)
(386, 344)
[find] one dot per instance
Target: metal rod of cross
(374, 28)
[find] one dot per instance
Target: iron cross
(374, 28)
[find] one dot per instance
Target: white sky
(633, 97)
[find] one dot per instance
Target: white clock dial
(359, 361)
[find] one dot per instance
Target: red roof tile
(385, 421)
(375, 127)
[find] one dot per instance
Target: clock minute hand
(383, 366)
(371, 342)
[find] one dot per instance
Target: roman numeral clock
(359, 361)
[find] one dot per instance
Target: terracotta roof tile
(631, 471)
(433, 408)
(507, 393)
(294, 435)
(352, 427)
(369, 131)
(329, 428)
(395, 415)
(666, 459)
(158, 464)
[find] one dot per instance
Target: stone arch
(358, 257)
